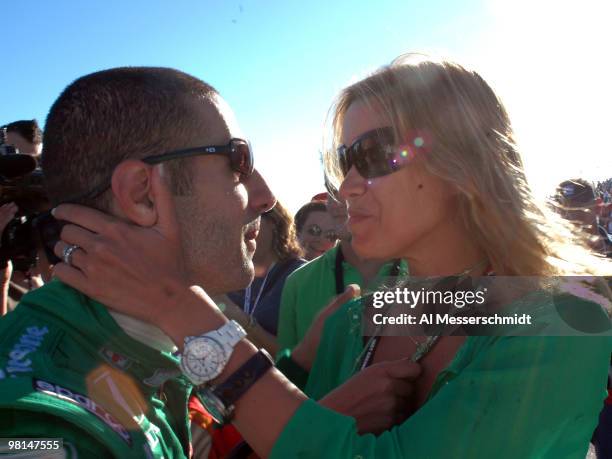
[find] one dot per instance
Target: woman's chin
(363, 247)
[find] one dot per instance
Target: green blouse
(501, 396)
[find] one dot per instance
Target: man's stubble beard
(214, 251)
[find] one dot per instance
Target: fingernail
(53, 211)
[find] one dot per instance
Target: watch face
(204, 358)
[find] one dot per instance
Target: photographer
(7, 213)
(25, 136)
(22, 199)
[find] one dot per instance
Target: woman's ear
(131, 185)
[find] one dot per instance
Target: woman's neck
(264, 263)
(446, 251)
(367, 268)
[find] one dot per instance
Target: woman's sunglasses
(316, 231)
(374, 154)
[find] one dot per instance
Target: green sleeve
(333, 361)
(287, 321)
(324, 372)
(26, 424)
(519, 397)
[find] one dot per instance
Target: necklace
(365, 357)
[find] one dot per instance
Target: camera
(21, 181)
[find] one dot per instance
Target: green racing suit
(67, 370)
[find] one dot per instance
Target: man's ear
(131, 185)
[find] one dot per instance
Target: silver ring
(68, 252)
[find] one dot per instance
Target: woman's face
(313, 238)
(396, 215)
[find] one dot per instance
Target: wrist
(189, 312)
(300, 356)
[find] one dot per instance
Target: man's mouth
(251, 233)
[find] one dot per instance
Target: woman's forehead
(362, 116)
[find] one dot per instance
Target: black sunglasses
(374, 154)
(316, 231)
(239, 152)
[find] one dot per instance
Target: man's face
(16, 140)
(219, 219)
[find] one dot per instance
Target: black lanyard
(339, 272)
(373, 342)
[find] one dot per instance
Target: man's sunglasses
(374, 154)
(239, 152)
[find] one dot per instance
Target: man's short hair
(106, 117)
(28, 129)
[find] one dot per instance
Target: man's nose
(261, 198)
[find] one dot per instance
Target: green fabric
(501, 397)
(287, 366)
(67, 370)
(309, 289)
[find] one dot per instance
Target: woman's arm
(256, 333)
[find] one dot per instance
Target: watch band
(225, 395)
(230, 333)
(244, 377)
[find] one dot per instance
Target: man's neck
(367, 268)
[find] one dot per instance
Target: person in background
(278, 254)
(315, 229)
(309, 289)
(577, 203)
(25, 136)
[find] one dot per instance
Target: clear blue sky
(278, 63)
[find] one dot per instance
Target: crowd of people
(177, 274)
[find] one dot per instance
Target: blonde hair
(471, 146)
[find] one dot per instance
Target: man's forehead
(217, 120)
(228, 115)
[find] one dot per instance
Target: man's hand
(305, 352)
(131, 269)
(379, 397)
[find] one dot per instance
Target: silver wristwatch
(204, 357)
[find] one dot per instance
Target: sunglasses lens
(242, 157)
(314, 230)
(373, 154)
(343, 161)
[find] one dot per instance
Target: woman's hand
(131, 269)
(379, 397)
(305, 352)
